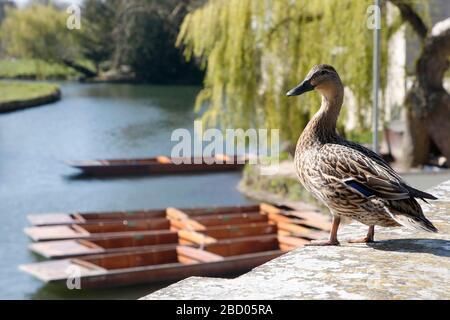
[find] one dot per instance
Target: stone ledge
(401, 265)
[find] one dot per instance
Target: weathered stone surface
(401, 264)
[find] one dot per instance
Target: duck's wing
(361, 172)
(415, 193)
(369, 153)
(365, 175)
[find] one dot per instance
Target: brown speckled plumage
(351, 180)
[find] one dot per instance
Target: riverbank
(32, 69)
(21, 95)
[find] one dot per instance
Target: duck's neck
(330, 108)
(322, 127)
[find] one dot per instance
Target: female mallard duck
(351, 180)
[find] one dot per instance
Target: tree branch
(85, 71)
(412, 17)
(289, 19)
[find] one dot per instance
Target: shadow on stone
(436, 247)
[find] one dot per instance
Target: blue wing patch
(360, 188)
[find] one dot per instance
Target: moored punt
(163, 264)
(218, 233)
(88, 230)
(286, 243)
(275, 213)
(307, 224)
(215, 234)
(47, 219)
(205, 221)
(159, 165)
(301, 223)
(294, 230)
(105, 244)
(182, 213)
(143, 240)
(306, 218)
(88, 217)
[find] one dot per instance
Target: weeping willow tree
(255, 50)
(40, 32)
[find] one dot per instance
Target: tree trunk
(427, 102)
(431, 67)
(416, 141)
(77, 67)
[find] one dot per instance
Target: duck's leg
(366, 239)
(333, 241)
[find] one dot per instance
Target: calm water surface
(92, 121)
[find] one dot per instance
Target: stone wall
(401, 264)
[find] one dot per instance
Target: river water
(92, 121)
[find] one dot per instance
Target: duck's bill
(303, 87)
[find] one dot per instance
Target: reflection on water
(92, 121)
(54, 291)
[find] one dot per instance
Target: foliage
(18, 91)
(137, 33)
(96, 38)
(38, 32)
(254, 51)
(145, 35)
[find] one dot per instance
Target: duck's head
(322, 78)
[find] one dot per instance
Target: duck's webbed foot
(333, 241)
(361, 240)
(323, 243)
(367, 239)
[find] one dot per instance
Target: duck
(351, 180)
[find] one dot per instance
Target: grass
(34, 69)
(19, 91)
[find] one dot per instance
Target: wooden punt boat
(219, 233)
(307, 224)
(301, 223)
(159, 165)
(142, 240)
(306, 216)
(104, 244)
(88, 230)
(90, 217)
(216, 234)
(128, 227)
(162, 264)
(205, 221)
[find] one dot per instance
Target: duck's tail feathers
(419, 223)
(420, 194)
